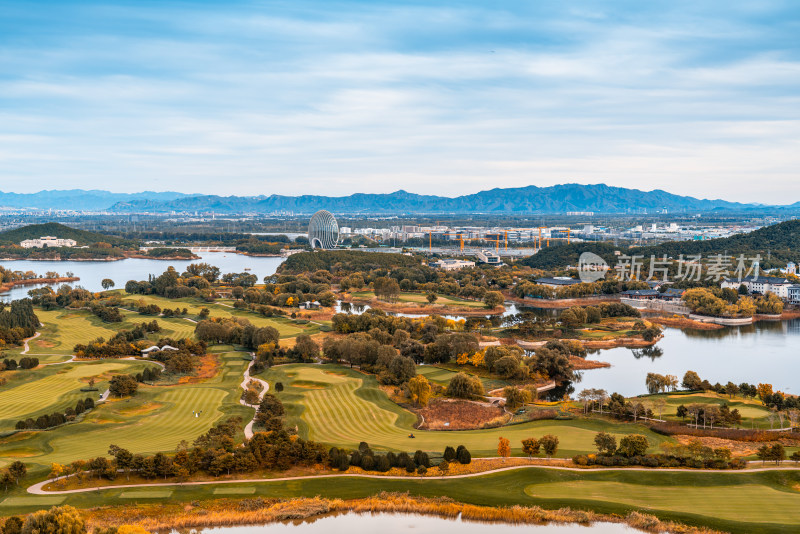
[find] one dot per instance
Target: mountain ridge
(530, 199)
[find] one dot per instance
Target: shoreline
(229, 513)
(8, 286)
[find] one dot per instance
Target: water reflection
(91, 273)
(765, 351)
(403, 523)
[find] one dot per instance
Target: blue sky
(697, 98)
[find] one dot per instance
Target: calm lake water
(766, 351)
(762, 352)
(91, 273)
(405, 523)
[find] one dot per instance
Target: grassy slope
(735, 502)
(49, 389)
(156, 419)
(286, 326)
(420, 298)
(351, 408)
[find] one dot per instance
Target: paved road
(36, 489)
(248, 430)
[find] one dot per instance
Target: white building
(47, 241)
(453, 265)
(761, 285)
(489, 257)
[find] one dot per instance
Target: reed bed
(254, 511)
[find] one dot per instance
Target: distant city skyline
(335, 98)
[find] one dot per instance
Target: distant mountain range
(79, 199)
(556, 199)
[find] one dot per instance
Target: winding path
(25, 342)
(248, 430)
(38, 489)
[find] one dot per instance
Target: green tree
(633, 445)
(550, 444)
(691, 380)
(464, 386)
(605, 443)
(107, 283)
(431, 297)
(515, 397)
(122, 386)
(493, 299)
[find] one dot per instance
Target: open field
(156, 419)
(443, 376)
(420, 298)
(346, 407)
(739, 502)
(754, 413)
(45, 390)
(286, 326)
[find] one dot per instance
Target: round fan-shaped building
(323, 232)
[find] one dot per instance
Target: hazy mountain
(531, 199)
(79, 199)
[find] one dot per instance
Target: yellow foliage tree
(463, 358)
(478, 358)
(420, 390)
(503, 447)
(764, 390)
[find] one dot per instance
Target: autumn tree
(420, 390)
(503, 447)
(531, 446)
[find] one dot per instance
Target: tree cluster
(632, 451)
(44, 422)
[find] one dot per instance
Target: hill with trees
(35, 231)
(777, 244)
(348, 260)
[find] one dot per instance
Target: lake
(765, 351)
(405, 523)
(91, 273)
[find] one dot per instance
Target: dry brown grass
(208, 368)
(230, 512)
(460, 414)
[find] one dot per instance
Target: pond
(91, 273)
(765, 351)
(404, 523)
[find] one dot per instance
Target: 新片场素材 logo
(591, 267)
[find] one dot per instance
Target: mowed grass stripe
(727, 502)
(355, 410)
(58, 388)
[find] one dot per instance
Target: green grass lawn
(156, 419)
(285, 325)
(31, 393)
(351, 408)
(443, 376)
(757, 503)
(421, 298)
(754, 414)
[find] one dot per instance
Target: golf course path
(25, 342)
(248, 430)
(38, 489)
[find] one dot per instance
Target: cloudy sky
(697, 98)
